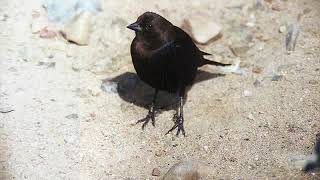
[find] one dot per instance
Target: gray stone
(189, 170)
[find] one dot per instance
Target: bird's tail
(206, 61)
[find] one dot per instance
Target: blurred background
(69, 96)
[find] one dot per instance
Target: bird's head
(150, 26)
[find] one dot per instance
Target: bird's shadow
(314, 165)
(131, 89)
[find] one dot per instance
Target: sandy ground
(245, 126)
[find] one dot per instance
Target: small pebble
(251, 117)
(109, 86)
(257, 83)
(257, 69)
(276, 7)
(247, 93)
(155, 172)
(282, 29)
(313, 82)
(72, 116)
(47, 34)
(276, 78)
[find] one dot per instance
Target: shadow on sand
(131, 89)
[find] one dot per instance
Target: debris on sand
(188, 170)
(282, 29)
(292, 35)
(156, 172)
(47, 34)
(234, 68)
(78, 30)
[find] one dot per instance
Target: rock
(292, 36)
(47, 64)
(247, 93)
(257, 83)
(78, 30)
(251, 117)
(277, 7)
(5, 110)
(72, 116)
(282, 29)
(109, 86)
(260, 46)
(301, 161)
(257, 69)
(4, 17)
(189, 170)
(313, 82)
(234, 68)
(63, 11)
(277, 78)
(155, 172)
(239, 50)
(202, 29)
(47, 34)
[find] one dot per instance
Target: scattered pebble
(206, 148)
(313, 82)
(78, 30)
(6, 110)
(155, 172)
(292, 36)
(109, 86)
(4, 17)
(72, 116)
(247, 93)
(257, 83)
(47, 34)
(202, 30)
(47, 64)
(257, 69)
(188, 170)
(251, 117)
(282, 29)
(35, 14)
(277, 7)
(277, 78)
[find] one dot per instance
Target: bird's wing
(181, 46)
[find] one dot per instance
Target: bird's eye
(149, 26)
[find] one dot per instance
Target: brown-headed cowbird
(165, 57)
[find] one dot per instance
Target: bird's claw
(145, 121)
(178, 124)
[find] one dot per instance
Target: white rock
(203, 29)
(78, 30)
(247, 93)
(282, 29)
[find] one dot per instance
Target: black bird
(166, 58)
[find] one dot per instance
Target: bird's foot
(178, 124)
(145, 121)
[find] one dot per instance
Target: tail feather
(204, 53)
(206, 61)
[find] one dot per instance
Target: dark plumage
(165, 57)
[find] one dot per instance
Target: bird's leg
(179, 119)
(151, 113)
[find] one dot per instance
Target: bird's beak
(135, 27)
